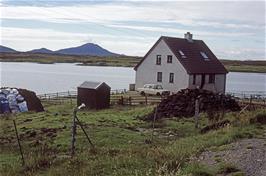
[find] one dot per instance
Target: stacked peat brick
(182, 104)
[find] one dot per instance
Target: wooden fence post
(223, 109)
(153, 122)
(84, 131)
(74, 130)
(196, 113)
(146, 99)
(130, 102)
(122, 100)
(20, 148)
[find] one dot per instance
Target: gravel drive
(249, 155)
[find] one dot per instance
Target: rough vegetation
(124, 61)
(182, 104)
(124, 144)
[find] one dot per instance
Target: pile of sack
(11, 101)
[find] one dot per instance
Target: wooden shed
(95, 95)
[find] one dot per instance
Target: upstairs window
(169, 59)
(204, 55)
(158, 60)
(212, 78)
(171, 78)
(182, 54)
(159, 76)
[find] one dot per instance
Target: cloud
(238, 53)
(187, 13)
(182, 31)
(52, 39)
(132, 27)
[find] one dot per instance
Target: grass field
(121, 61)
(123, 142)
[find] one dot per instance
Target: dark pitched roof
(194, 62)
(92, 85)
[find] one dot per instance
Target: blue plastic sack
(23, 106)
(4, 105)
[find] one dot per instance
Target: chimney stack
(188, 36)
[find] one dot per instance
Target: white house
(178, 63)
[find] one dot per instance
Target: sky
(232, 29)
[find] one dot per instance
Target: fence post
(196, 113)
(20, 148)
(153, 122)
(129, 99)
(122, 100)
(146, 99)
(223, 106)
(84, 132)
(74, 128)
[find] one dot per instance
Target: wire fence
(124, 97)
(247, 94)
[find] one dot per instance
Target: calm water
(50, 78)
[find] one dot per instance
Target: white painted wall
(147, 71)
(220, 82)
(218, 86)
(197, 83)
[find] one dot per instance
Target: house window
(211, 78)
(194, 79)
(169, 59)
(158, 59)
(171, 78)
(159, 76)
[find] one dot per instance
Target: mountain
(41, 50)
(4, 49)
(90, 49)
(87, 49)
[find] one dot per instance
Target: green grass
(246, 68)
(258, 66)
(121, 61)
(122, 142)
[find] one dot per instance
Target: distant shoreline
(120, 61)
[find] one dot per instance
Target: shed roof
(193, 62)
(92, 85)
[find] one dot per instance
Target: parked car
(153, 89)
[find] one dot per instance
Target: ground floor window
(212, 78)
(171, 78)
(194, 79)
(159, 76)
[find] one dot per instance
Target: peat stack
(182, 104)
(33, 102)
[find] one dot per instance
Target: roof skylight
(181, 53)
(204, 55)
